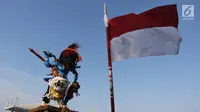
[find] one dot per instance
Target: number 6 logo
(187, 10)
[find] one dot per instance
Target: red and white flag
(151, 33)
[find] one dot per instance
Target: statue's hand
(48, 54)
(77, 94)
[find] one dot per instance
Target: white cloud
(15, 83)
(10, 91)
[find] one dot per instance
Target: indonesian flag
(151, 33)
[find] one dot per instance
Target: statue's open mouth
(59, 84)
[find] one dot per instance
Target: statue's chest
(55, 94)
(58, 71)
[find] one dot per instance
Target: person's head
(65, 54)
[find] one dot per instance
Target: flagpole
(109, 60)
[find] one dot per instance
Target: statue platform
(45, 109)
(49, 108)
(34, 108)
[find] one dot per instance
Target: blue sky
(154, 84)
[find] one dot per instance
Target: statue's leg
(45, 101)
(47, 79)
